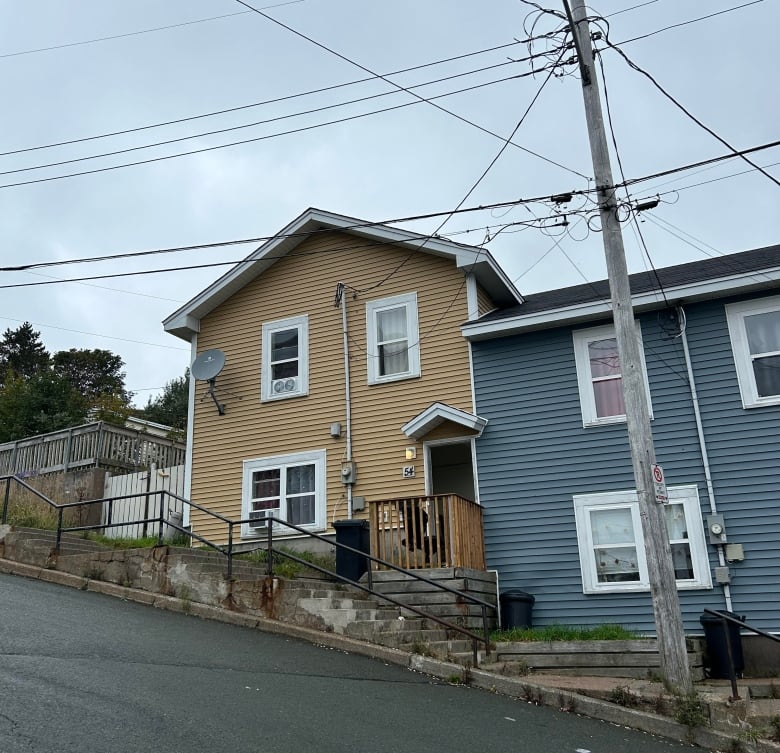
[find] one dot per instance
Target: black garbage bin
(716, 657)
(354, 533)
(516, 609)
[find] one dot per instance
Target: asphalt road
(88, 673)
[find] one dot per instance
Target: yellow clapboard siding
(304, 283)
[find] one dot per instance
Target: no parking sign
(659, 482)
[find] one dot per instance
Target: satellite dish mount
(205, 368)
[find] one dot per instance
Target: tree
(39, 404)
(94, 373)
(22, 353)
(170, 406)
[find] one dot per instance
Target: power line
(291, 131)
(473, 188)
(136, 33)
(275, 100)
(393, 83)
(93, 334)
(687, 112)
(275, 119)
(690, 21)
(113, 290)
(263, 239)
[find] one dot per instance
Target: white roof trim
(437, 414)
(718, 287)
(186, 320)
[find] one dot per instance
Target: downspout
(341, 297)
(703, 447)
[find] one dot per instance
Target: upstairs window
(611, 542)
(285, 367)
(393, 339)
(599, 375)
(754, 327)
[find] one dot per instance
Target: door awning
(437, 414)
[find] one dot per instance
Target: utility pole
(666, 605)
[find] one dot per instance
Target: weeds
(622, 696)
(774, 729)
(32, 514)
(566, 633)
(689, 710)
(144, 542)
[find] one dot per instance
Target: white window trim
(317, 457)
(688, 495)
(735, 318)
(409, 300)
(581, 339)
(301, 323)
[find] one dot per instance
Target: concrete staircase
(198, 575)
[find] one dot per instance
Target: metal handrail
(229, 551)
(726, 618)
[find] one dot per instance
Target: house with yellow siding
(346, 378)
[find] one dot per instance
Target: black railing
(725, 619)
(266, 543)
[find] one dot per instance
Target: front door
(451, 468)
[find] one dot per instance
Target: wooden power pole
(666, 605)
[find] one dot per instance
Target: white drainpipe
(703, 447)
(347, 392)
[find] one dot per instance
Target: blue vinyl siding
(535, 455)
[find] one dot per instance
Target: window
(599, 375)
(612, 552)
(289, 487)
(285, 368)
(754, 327)
(393, 339)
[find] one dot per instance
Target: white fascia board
(184, 322)
(717, 288)
(436, 414)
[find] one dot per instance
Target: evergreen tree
(22, 353)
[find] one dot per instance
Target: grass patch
(565, 633)
(284, 567)
(144, 542)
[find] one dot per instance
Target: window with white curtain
(599, 375)
(611, 543)
(754, 327)
(392, 338)
(287, 487)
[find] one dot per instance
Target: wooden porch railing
(439, 530)
(97, 444)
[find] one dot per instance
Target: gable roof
(716, 277)
(185, 321)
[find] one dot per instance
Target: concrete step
(762, 711)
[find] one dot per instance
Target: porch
(428, 531)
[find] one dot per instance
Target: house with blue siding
(561, 519)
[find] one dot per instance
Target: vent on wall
(282, 386)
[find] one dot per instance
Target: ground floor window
(288, 487)
(611, 544)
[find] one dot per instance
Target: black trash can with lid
(354, 533)
(516, 609)
(716, 657)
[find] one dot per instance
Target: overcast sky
(395, 164)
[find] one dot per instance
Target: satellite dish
(208, 365)
(205, 368)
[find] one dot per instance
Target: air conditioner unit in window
(257, 518)
(282, 386)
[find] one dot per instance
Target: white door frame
(452, 440)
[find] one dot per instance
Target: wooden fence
(440, 530)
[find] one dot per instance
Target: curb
(522, 688)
